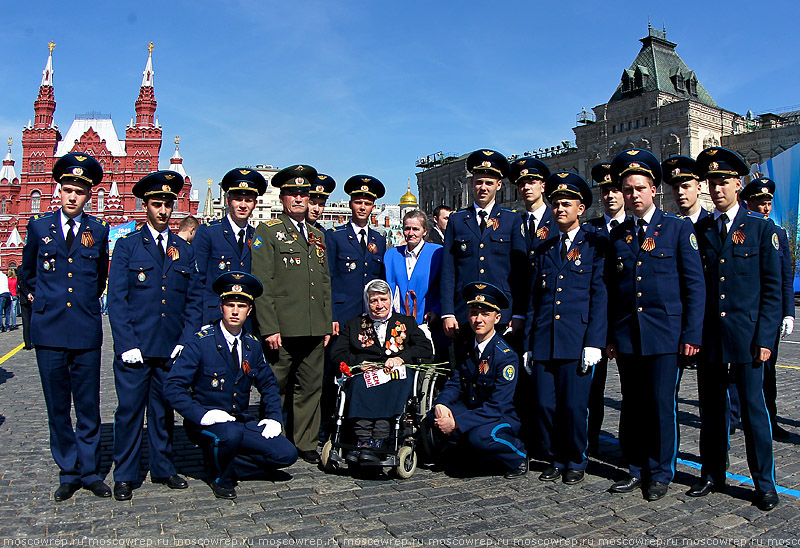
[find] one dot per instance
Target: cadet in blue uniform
(356, 250)
(613, 216)
(741, 259)
(154, 304)
(317, 198)
(569, 327)
(529, 175)
(656, 297)
(210, 383)
(679, 174)
(485, 243)
(476, 404)
(758, 197)
(65, 265)
(224, 245)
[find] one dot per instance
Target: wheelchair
(410, 438)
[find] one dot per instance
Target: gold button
(638, 278)
(69, 289)
(722, 314)
(638, 263)
(163, 288)
(558, 289)
(722, 261)
(722, 296)
(69, 304)
(560, 276)
(312, 283)
(558, 316)
(639, 294)
(163, 315)
(558, 303)
(639, 309)
(312, 297)
(165, 276)
(235, 394)
(483, 258)
(481, 271)
(234, 407)
(163, 301)
(311, 269)
(69, 260)
(69, 274)
(722, 278)
(481, 246)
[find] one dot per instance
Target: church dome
(409, 199)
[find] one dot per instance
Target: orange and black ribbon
(87, 239)
(649, 244)
(411, 310)
(542, 233)
(172, 253)
(737, 237)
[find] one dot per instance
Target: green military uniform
(297, 304)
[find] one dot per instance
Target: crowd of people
(527, 308)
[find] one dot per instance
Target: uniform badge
(221, 265)
(47, 239)
(775, 243)
(280, 236)
(483, 367)
(522, 229)
(649, 244)
(172, 253)
(141, 277)
(542, 233)
(463, 247)
(351, 266)
(620, 266)
(372, 248)
(574, 255)
(738, 238)
(87, 239)
(246, 367)
(693, 241)
(494, 223)
(508, 373)
(257, 242)
(214, 383)
(628, 238)
(46, 265)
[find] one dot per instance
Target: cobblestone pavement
(308, 507)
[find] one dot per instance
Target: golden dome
(408, 198)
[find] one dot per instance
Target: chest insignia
(649, 244)
(141, 277)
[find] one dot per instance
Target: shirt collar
(357, 229)
(538, 214)
(78, 220)
(487, 209)
(229, 337)
(571, 234)
(382, 321)
(482, 346)
(296, 225)
(731, 213)
(648, 217)
(619, 218)
(415, 251)
(155, 234)
(236, 228)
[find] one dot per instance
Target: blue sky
(367, 87)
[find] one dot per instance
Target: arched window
(3, 207)
(101, 204)
(36, 201)
(116, 166)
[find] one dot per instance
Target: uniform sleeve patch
(508, 373)
(257, 241)
(775, 243)
(693, 240)
(522, 229)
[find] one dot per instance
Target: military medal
(214, 383)
(351, 266)
(246, 367)
(494, 223)
(221, 265)
(737, 237)
(483, 367)
(372, 248)
(141, 277)
(574, 255)
(542, 233)
(280, 236)
(172, 253)
(46, 265)
(463, 247)
(649, 244)
(628, 238)
(87, 239)
(249, 242)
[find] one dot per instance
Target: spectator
(5, 303)
(12, 288)
(187, 228)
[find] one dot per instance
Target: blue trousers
(648, 430)
(5, 310)
(496, 440)
(562, 401)
(712, 386)
(72, 376)
(139, 386)
(238, 449)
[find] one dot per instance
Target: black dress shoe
(123, 490)
(702, 488)
(767, 501)
(655, 490)
(65, 491)
(173, 482)
(780, 433)
(220, 492)
(520, 470)
(625, 486)
(310, 456)
(571, 477)
(99, 489)
(551, 473)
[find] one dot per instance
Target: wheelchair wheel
(429, 389)
(407, 458)
(328, 464)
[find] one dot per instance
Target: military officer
(655, 282)
(65, 265)
(485, 243)
(476, 404)
(294, 312)
(679, 174)
(529, 174)
(356, 250)
(569, 327)
(224, 244)
(613, 216)
(758, 197)
(317, 198)
(210, 383)
(154, 305)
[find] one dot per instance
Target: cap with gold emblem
(571, 185)
(78, 167)
(482, 294)
(323, 186)
(165, 184)
(763, 187)
(720, 162)
(635, 160)
(488, 161)
(678, 169)
(366, 185)
(601, 174)
(296, 177)
(244, 180)
(239, 284)
(528, 168)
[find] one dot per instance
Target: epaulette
(43, 215)
(272, 222)
(757, 215)
(503, 346)
(215, 222)
(205, 331)
(671, 215)
(252, 337)
(340, 227)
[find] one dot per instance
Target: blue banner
(119, 231)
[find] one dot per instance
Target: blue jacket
(569, 299)
(351, 269)
(743, 285)
(204, 377)
(656, 298)
(544, 231)
(152, 306)
(498, 256)
(421, 292)
(477, 398)
(67, 285)
(216, 251)
(787, 280)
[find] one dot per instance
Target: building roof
(176, 162)
(8, 172)
(408, 198)
(104, 128)
(658, 67)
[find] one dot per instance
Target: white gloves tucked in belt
(134, 355)
(591, 356)
(272, 428)
(216, 416)
(176, 351)
(787, 326)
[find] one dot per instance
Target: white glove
(272, 428)
(216, 416)
(527, 362)
(176, 351)
(590, 357)
(787, 326)
(134, 355)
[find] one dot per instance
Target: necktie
(531, 224)
(362, 236)
(482, 215)
(160, 241)
(564, 246)
(235, 352)
(70, 233)
(642, 228)
(302, 228)
(475, 355)
(614, 223)
(241, 240)
(723, 229)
